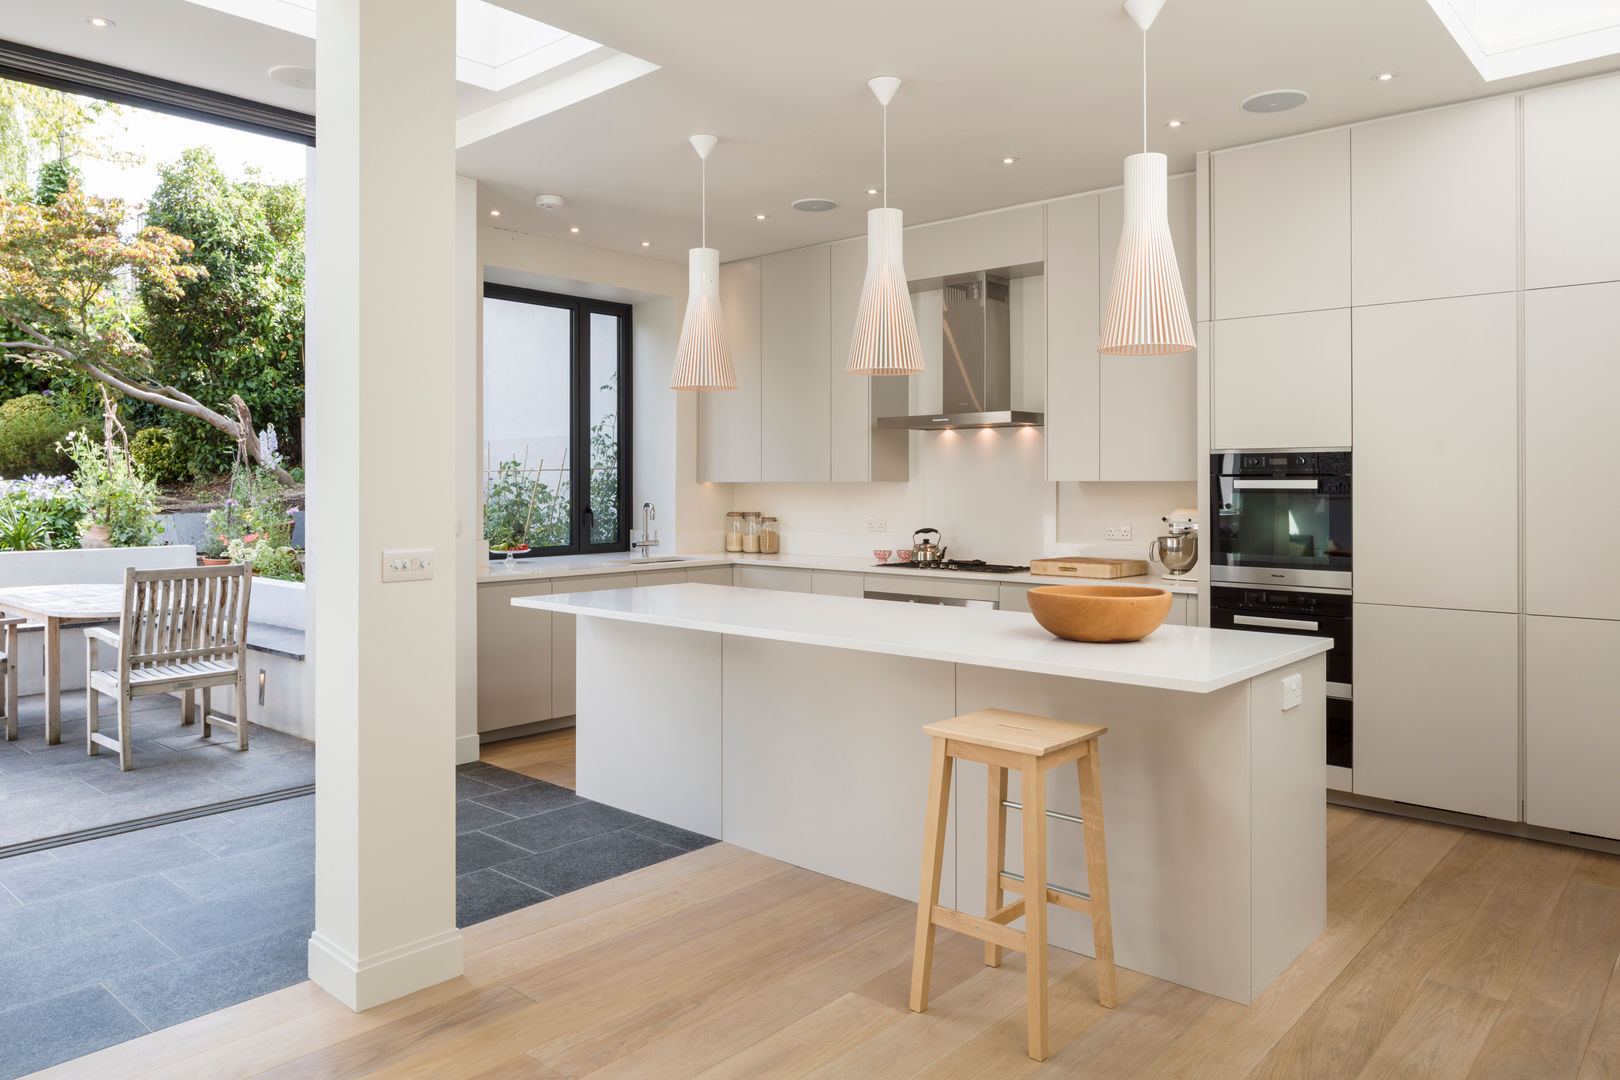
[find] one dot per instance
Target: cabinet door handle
(1280, 624)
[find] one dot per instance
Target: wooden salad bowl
(1099, 612)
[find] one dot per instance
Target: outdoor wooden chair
(181, 631)
(8, 674)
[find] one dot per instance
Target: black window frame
(580, 517)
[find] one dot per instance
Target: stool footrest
(1004, 915)
(973, 926)
(1073, 899)
(1058, 814)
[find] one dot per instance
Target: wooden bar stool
(1031, 744)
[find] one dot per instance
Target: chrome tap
(649, 539)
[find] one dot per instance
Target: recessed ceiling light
(494, 213)
(871, 191)
(1386, 76)
(100, 22)
(646, 243)
(1173, 123)
(760, 217)
(1276, 101)
(1009, 161)
(573, 228)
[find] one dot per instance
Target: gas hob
(970, 566)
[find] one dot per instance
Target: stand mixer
(1178, 551)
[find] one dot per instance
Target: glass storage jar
(734, 530)
(770, 540)
(750, 536)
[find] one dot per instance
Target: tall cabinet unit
(1572, 449)
(1280, 261)
(1107, 417)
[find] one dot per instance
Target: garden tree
(64, 271)
(39, 125)
(238, 329)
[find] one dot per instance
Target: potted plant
(118, 503)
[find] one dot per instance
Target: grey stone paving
(51, 790)
(105, 940)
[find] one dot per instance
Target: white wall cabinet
(1437, 708)
(514, 657)
(1572, 742)
(1571, 449)
(1436, 412)
(1280, 226)
(858, 451)
(1571, 174)
(1113, 418)
(796, 414)
(729, 420)
(794, 378)
(1434, 204)
(1073, 321)
(1281, 381)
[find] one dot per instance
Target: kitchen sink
(642, 560)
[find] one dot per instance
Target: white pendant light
(885, 341)
(703, 359)
(1146, 313)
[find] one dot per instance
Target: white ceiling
(1054, 82)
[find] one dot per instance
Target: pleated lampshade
(1146, 313)
(885, 341)
(703, 359)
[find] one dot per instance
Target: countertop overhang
(1185, 658)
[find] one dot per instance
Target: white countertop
(561, 566)
(1172, 657)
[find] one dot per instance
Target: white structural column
(381, 379)
(469, 464)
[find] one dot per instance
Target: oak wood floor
(548, 756)
(1448, 953)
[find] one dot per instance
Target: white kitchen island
(791, 724)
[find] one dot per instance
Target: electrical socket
(877, 525)
(1293, 692)
(1117, 532)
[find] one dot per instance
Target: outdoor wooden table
(57, 606)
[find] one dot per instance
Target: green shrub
(112, 492)
(156, 454)
(30, 428)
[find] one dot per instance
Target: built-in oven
(1280, 517)
(1312, 613)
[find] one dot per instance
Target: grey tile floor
(50, 790)
(105, 940)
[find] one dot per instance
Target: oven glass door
(1281, 523)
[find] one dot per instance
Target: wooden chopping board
(1078, 566)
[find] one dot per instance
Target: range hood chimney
(977, 361)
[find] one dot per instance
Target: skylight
(495, 47)
(1504, 38)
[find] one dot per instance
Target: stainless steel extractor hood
(977, 361)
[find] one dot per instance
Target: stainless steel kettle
(927, 552)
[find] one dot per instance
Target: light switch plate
(408, 564)
(1293, 690)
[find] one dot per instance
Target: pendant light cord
(1144, 91)
(705, 174)
(885, 155)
